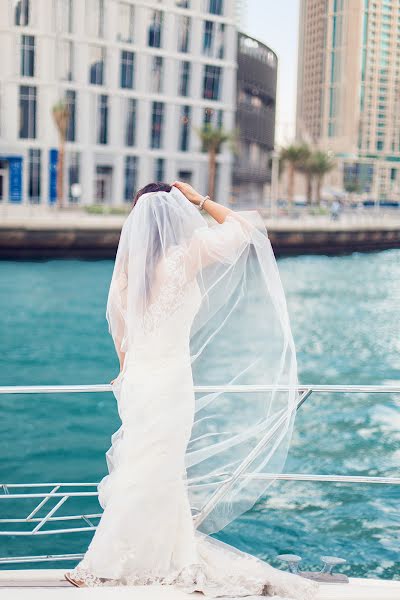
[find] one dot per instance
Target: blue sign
(15, 178)
(53, 160)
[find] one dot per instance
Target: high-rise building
(348, 97)
(255, 120)
(139, 78)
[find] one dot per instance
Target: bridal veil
(240, 336)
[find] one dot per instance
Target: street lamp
(274, 182)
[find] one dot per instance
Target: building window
(102, 119)
(156, 80)
(215, 7)
(131, 170)
(220, 41)
(184, 78)
(159, 168)
(155, 29)
(74, 168)
(64, 16)
(184, 129)
(182, 3)
(27, 56)
(103, 184)
(125, 22)
(130, 122)
(34, 169)
(27, 112)
(211, 82)
(65, 59)
(127, 69)
(214, 39)
(157, 119)
(70, 99)
(21, 13)
(208, 32)
(183, 33)
(95, 18)
(208, 116)
(185, 176)
(97, 58)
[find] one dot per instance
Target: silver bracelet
(201, 203)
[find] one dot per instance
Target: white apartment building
(140, 77)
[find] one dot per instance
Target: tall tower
(348, 98)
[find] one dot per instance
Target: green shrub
(103, 209)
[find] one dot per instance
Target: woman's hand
(114, 380)
(190, 193)
(215, 210)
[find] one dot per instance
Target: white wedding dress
(146, 533)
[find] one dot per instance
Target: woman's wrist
(198, 199)
(203, 201)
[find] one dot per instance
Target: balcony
(256, 124)
(244, 171)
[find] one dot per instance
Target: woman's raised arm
(215, 210)
(220, 243)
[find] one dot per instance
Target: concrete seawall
(333, 240)
(89, 236)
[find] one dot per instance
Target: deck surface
(50, 584)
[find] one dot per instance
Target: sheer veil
(240, 335)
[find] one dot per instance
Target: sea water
(345, 315)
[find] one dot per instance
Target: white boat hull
(44, 584)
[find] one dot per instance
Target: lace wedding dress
(146, 534)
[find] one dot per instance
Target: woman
(180, 289)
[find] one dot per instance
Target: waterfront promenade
(33, 232)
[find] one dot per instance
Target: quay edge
(98, 238)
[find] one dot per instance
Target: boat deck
(49, 583)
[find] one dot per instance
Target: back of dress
(191, 303)
(165, 334)
(188, 304)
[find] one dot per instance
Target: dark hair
(158, 186)
(154, 234)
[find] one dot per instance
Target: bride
(192, 303)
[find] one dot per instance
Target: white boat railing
(44, 515)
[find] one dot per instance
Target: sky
(275, 23)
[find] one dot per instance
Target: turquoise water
(345, 313)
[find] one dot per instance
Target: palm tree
(306, 167)
(322, 163)
(212, 139)
(61, 118)
(294, 156)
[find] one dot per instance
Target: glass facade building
(349, 90)
(255, 120)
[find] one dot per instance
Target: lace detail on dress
(188, 578)
(172, 292)
(221, 573)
